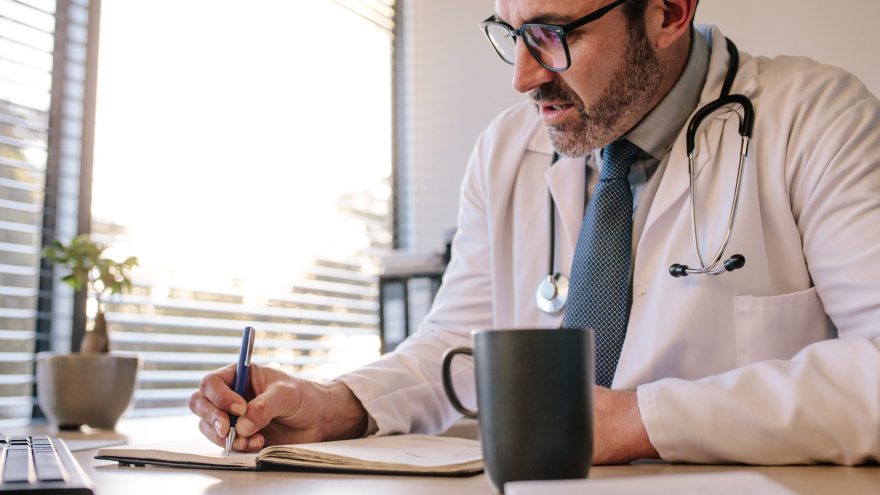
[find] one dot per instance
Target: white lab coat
(743, 367)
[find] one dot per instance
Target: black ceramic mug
(535, 401)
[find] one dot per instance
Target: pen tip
(230, 441)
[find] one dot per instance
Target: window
(26, 65)
(44, 115)
(243, 153)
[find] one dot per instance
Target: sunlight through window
(243, 153)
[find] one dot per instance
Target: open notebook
(397, 454)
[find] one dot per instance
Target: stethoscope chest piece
(552, 293)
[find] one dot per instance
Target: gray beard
(625, 101)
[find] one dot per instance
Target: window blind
(324, 323)
(378, 12)
(26, 44)
(43, 118)
(183, 332)
(449, 87)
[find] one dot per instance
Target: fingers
(213, 401)
(215, 387)
(211, 434)
(253, 443)
(285, 409)
(242, 444)
(212, 417)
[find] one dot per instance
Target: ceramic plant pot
(85, 389)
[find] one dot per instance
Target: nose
(528, 73)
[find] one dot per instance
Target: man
(777, 362)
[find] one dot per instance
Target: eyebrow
(556, 19)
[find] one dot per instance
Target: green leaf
(72, 281)
(87, 265)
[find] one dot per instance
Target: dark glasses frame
(560, 31)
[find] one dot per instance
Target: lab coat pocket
(778, 327)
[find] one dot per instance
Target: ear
(668, 20)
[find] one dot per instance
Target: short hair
(635, 10)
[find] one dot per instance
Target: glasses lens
(503, 41)
(547, 45)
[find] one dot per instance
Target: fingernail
(240, 443)
(244, 427)
(218, 427)
(238, 409)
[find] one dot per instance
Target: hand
(282, 409)
(619, 436)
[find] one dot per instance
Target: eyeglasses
(546, 42)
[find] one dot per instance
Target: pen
(241, 379)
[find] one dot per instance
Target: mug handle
(447, 380)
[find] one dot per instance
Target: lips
(553, 112)
(558, 106)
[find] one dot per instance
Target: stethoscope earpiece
(678, 270)
(734, 262)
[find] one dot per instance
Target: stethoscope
(552, 292)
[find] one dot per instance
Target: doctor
(775, 362)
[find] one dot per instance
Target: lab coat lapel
(566, 181)
(674, 183)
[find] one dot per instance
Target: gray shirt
(656, 132)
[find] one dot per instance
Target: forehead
(516, 12)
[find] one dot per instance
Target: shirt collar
(656, 132)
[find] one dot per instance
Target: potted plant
(92, 387)
(90, 269)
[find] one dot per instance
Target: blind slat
(26, 52)
(255, 312)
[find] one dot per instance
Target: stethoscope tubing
(552, 292)
(746, 124)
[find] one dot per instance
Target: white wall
(844, 33)
(456, 84)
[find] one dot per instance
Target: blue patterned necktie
(600, 278)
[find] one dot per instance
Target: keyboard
(39, 464)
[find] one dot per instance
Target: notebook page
(395, 450)
(192, 451)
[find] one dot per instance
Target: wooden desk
(112, 479)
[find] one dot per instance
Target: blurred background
(265, 160)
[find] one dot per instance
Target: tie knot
(617, 158)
